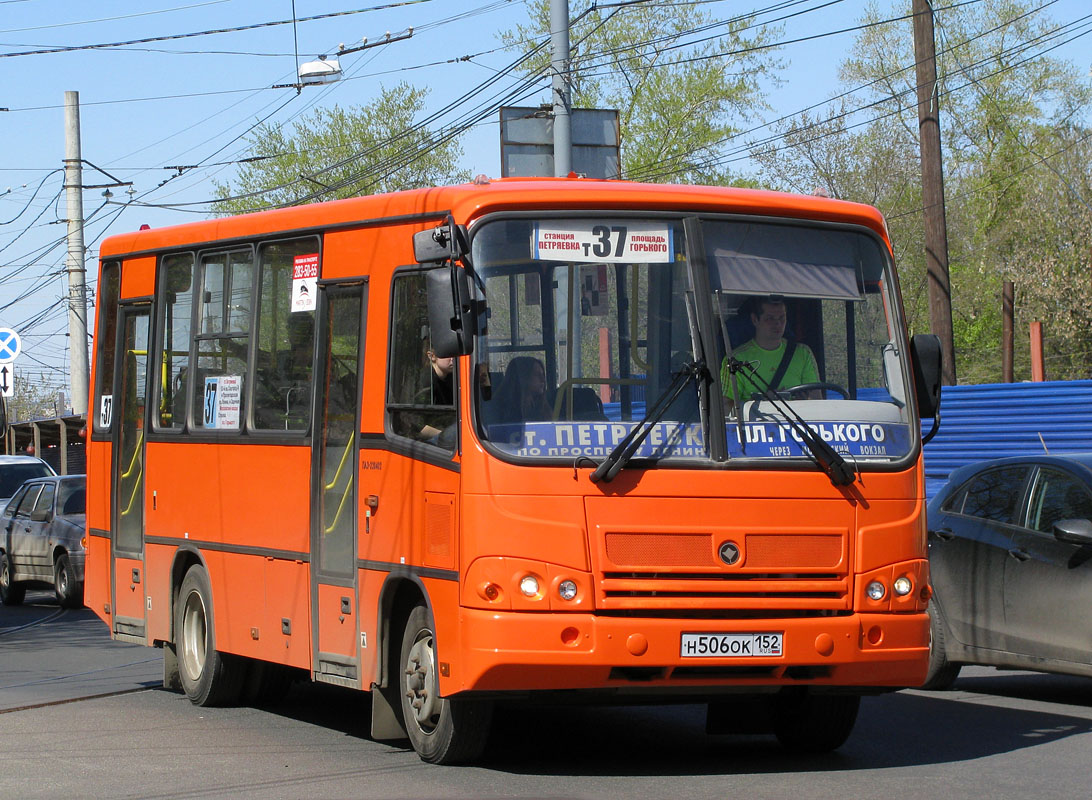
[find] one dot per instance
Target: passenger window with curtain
(175, 326)
(223, 313)
(286, 336)
(420, 400)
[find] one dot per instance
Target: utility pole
(559, 64)
(77, 284)
(932, 187)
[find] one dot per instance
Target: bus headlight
(903, 586)
(876, 590)
(566, 590)
(529, 585)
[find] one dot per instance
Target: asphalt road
(997, 734)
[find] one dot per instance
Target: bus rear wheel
(209, 677)
(441, 730)
(814, 723)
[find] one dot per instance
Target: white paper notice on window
(305, 282)
(603, 241)
(223, 401)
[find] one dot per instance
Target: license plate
(730, 645)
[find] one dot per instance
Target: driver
(780, 363)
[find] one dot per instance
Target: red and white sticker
(305, 282)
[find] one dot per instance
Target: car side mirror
(39, 516)
(1073, 531)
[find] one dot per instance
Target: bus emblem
(729, 553)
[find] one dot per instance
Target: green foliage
(335, 153)
(678, 103)
(32, 400)
(1016, 172)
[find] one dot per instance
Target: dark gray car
(41, 532)
(1010, 554)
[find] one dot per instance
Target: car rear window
(71, 497)
(13, 475)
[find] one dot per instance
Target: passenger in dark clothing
(521, 396)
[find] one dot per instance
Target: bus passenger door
(127, 499)
(334, 596)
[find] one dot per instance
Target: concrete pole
(77, 283)
(559, 63)
(932, 188)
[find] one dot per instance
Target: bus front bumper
(525, 652)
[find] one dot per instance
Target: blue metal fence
(1007, 419)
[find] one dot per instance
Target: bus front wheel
(441, 730)
(209, 677)
(814, 723)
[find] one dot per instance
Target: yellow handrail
(136, 453)
(340, 506)
(344, 458)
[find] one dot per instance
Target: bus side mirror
(450, 311)
(925, 360)
(441, 243)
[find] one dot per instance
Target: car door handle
(944, 533)
(1020, 554)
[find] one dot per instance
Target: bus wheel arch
(443, 730)
(208, 676)
(398, 597)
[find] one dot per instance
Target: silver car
(41, 532)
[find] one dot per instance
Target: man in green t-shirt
(765, 353)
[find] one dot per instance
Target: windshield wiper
(624, 450)
(829, 460)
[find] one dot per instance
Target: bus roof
(470, 200)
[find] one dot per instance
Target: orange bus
(510, 441)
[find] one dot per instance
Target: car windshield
(71, 497)
(766, 325)
(12, 476)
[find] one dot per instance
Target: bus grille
(681, 572)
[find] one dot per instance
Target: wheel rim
(5, 579)
(194, 631)
(62, 579)
(422, 690)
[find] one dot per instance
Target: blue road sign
(9, 345)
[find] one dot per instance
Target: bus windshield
(766, 325)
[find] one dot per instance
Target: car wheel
(68, 590)
(11, 593)
(811, 723)
(209, 677)
(942, 673)
(441, 730)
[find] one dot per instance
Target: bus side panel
(246, 508)
(288, 615)
(157, 586)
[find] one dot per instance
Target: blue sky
(148, 108)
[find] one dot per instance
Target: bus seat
(587, 405)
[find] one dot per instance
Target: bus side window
(286, 339)
(420, 401)
(176, 311)
(224, 309)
